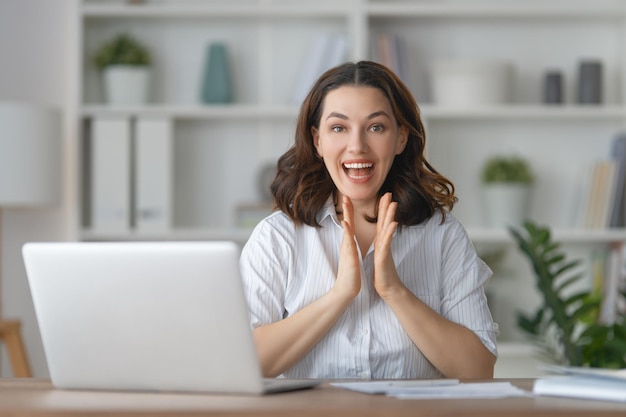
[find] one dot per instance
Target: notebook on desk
(163, 316)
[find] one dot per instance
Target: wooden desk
(26, 397)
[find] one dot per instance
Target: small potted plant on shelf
(507, 182)
(125, 64)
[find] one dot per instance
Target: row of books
(130, 174)
(327, 50)
(390, 50)
(603, 202)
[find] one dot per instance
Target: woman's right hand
(348, 282)
(282, 343)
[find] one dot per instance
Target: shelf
(526, 111)
(477, 235)
(199, 10)
(235, 234)
(194, 112)
(477, 10)
(559, 235)
(393, 9)
(430, 112)
(219, 150)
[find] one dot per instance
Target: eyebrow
(371, 116)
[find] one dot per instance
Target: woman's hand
(386, 280)
(348, 275)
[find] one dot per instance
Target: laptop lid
(166, 316)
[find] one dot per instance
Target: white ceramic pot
(505, 205)
(471, 82)
(126, 84)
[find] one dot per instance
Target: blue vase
(217, 83)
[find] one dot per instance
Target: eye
(337, 128)
(377, 128)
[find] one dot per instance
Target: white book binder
(582, 382)
(110, 174)
(153, 175)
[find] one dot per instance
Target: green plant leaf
(570, 280)
(549, 264)
(500, 169)
(122, 50)
(580, 296)
(550, 261)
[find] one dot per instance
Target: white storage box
(466, 82)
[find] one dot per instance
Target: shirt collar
(328, 210)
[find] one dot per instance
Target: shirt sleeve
(264, 263)
(465, 276)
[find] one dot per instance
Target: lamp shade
(30, 155)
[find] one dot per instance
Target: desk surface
(28, 397)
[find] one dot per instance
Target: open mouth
(358, 170)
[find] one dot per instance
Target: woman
(362, 272)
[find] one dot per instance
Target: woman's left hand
(386, 280)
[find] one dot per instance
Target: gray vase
(217, 83)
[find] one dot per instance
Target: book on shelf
(599, 194)
(611, 283)
(153, 177)
(581, 382)
(326, 50)
(131, 174)
(110, 159)
(389, 50)
(608, 266)
(618, 210)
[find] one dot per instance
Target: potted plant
(507, 182)
(567, 326)
(124, 63)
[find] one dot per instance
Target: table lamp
(30, 165)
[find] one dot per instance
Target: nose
(357, 142)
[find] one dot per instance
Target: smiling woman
(363, 272)
(358, 138)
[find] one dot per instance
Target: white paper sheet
(432, 389)
(391, 386)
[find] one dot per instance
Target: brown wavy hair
(302, 184)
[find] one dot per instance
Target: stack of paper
(579, 382)
(435, 388)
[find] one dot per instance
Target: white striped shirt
(286, 267)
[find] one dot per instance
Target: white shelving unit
(269, 40)
(219, 150)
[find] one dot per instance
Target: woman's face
(358, 138)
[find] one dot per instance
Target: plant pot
(505, 204)
(126, 84)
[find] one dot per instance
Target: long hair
(302, 183)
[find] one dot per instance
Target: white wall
(35, 39)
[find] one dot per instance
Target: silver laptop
(164, 316)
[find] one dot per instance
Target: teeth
(358, 165)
